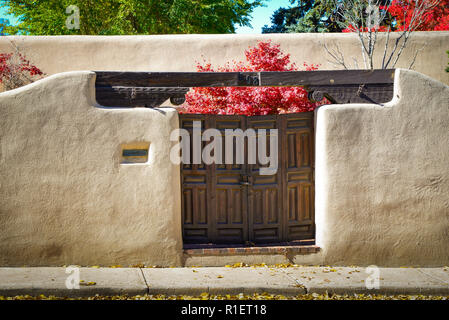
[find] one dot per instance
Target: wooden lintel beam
(238, 79)
(177, 79)
(326, 77)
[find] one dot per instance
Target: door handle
(245, 183)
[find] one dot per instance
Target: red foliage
(16, 70)
(265, 56)
(436, 19)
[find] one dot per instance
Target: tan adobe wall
(65, 196)
(54, 54)
(382, 178)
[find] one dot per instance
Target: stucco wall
(64, 196)
(56, 54)
(382, 178)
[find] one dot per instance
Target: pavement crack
(298, 284)
(433, 277)
(145, 280)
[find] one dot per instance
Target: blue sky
(3, 14)
(260, 17)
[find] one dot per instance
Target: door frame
(291, 125)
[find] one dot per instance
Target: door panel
(299, 168)
(195, 207)
(229, 198)
(265, 199)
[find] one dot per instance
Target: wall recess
(134, 152)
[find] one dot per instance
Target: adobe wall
(66, 198)
(55, 54)
(382, 178)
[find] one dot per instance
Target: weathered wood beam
(237, 79)
(326, 77)
(151, 89)
(139, 96)
(177, 79)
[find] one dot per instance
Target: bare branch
(359, 14)
(386, 47)
(415, 55)
(14, 75)
(337, 56)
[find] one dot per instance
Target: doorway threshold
(292, 247)
(302, 252)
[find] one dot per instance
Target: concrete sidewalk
(223, 280)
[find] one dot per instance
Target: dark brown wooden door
(265, 203)
(214, 202)
(228, 196)
(298, 163)
(234, 203)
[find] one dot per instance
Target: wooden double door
(235, 203)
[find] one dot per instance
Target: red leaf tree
(403, 12)
(367, 18)
(16, 70)
(436, 19)
(265, 56)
